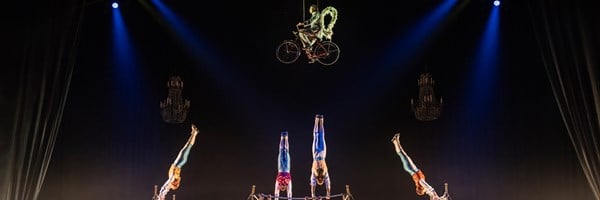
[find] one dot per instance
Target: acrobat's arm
(276, 193)
(289, 189)
(428, 189)
(313, 183)
(328, 185)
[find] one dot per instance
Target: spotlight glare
(115, 5)
(497, 3)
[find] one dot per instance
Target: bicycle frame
(324, 51)
(310, 53)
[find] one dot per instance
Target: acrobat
(314, 29)
(319, 173)
(175, 171)
(283, 182)
(422, 187)
(307, 30)
(314, 37)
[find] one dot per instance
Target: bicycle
(325, 52)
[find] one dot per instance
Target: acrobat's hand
(194, 130)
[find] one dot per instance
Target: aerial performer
(307, 30)
(174, 172)
(314, 28)
(422, 187)
(283, 182)
(313, 37)
(319, 173)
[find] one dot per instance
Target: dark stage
(500, 135)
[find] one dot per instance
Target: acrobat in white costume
(319, 173)
(174, 172)
(283, 182)
(422, 187)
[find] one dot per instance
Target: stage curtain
(42, 41)
(568, 36)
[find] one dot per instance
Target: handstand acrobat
(319, 173)
(283, 182)
(422, 187)
(174, 172)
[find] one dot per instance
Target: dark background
(114, 145)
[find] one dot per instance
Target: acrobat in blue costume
(422, 187)
(283, 182)
(175, 170)
(319, 173)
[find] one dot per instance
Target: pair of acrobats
(319, 173)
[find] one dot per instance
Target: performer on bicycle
(174, 172)
(307, 30)
(283, 182)
(319, 173)
(422, 187)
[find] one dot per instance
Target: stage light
(496, 3)
(115, 5)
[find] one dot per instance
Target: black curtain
(41, 40)
(568, 38)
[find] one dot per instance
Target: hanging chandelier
(174, 109)
(427, 107)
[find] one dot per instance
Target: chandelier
(427, 107)
(174, 109)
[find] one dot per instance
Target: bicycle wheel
(327, 53)
(287, 52)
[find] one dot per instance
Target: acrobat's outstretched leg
(319, 172)
(185, 151)
(319, 148)
(418, 177)
(283, 182)
(175, 170)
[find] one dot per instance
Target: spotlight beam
(205, 57)
(124, 61)
(475, 123)
(406, 48)
(413, 42)
(485, 66)
(380, 77)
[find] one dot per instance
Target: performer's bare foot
(396, 138)
(194, 130)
